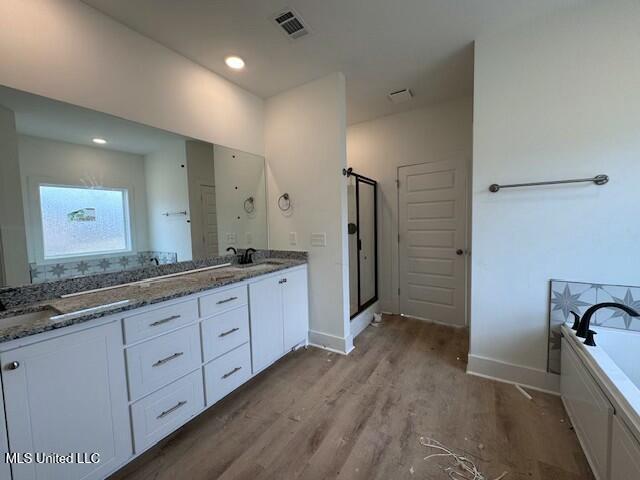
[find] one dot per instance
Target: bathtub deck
(316, 415)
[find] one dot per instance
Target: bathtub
(600, 388)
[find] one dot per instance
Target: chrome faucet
(583, 328)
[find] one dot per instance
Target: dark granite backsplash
(12, 297)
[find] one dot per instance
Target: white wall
(377, 148)
(70, 164)
(240, 175)
(14, 263)
(557, 98)
(305, 146)
(168, 191)
(69, 51)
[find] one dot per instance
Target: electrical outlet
(293, 238)
(231, 238)
(248, 236)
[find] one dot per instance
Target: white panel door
(295, 301)
(209, 220)
(5, 470)
(432, 242)
(266, 317)
(67, 395)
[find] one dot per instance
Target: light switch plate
(248, 236)
(293, 238)
(319, 239)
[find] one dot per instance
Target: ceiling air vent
(400, 96)
(291, 24)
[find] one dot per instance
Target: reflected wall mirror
(84, 192)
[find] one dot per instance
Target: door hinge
(398, 291)
(398, 238)
(397, 183)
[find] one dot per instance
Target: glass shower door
(362, 216)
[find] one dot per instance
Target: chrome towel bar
(598, 180)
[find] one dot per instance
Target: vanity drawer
(159, 320)
(226, 373)
(222, 301)
(162, 412)
(224, 332)
(157, 362)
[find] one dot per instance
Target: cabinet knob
(13, 366)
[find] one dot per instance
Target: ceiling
(42, 117)
(380, 45)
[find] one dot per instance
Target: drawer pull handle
(164, 320)
(230, 299)
(284, 280)
(224, 334)
(168, 359)
(227, 375)
(182, 403)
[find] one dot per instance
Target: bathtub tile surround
(578, 296)
(12, 297)
(58, 271)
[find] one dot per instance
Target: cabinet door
(68, 395)
(5, 471)
(296, 308)
(589, 410)
(265, 307)
(625, 453)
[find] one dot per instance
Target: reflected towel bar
(168, 214)
(597, 180)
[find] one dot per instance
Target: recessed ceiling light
(234, 62)
(99, 141)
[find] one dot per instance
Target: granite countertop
(69, 311)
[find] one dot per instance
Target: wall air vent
(291, 24)
(400, 96)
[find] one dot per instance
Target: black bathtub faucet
(583, 328)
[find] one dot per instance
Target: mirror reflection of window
(82, 221)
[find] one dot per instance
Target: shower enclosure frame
(362, 179)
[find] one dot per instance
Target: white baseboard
(516, 374)
(330, 342)
(362, 320)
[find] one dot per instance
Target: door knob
(13, 366)
(459, 251)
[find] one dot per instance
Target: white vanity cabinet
(295, 307)
(279, 311)
(5, 470)
(68, 395)
(141, 374)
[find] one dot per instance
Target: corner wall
(378, 147)
(305, 146)
(554, 99)
(71, 52)
(14, 264)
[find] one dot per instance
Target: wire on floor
(462, 468)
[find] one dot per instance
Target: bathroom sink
(29, 318)
(257, 266)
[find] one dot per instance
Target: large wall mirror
(84, 192)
